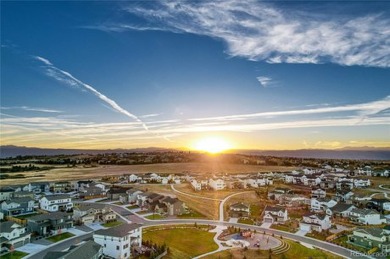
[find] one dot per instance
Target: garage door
(304, 227)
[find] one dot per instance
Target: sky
(257, 74)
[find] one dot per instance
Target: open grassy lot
(112, 224)
(14, 255)
(60, 237)
(97, 172)
(193, 214)
(205, 193)
(154, 217)
(296, 251)
(183, 242)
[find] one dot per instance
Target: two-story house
(341, 209)
(366, 217)
(13, 235)
(321, 204)
(370, 238)
(85, 250)
(217, 184)
(50, 223)
(275, 215)
(238, 210)
(118, 241)
(318, 193)
(316, 222)
(59, 202)
(17, 206)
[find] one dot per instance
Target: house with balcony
(17, 206)
(119, 241)
(366, 217)
(275, 215)
(315, 222)
(50, 223)
(59, 202)
(370, 238)
(13, 235)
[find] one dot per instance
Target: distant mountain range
(360, 153)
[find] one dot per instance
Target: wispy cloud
(26, 108)
(363, 110)
(263, 31)
(264, 81)
(150, 115)
(67, 78)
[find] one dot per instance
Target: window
(105, 245)
(125, 255)
(117, 247)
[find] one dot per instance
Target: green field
(112, 224)
(154, 217)
(183, 242)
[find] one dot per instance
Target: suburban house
(89, 249)
(361, 183)
(13, 235)
(315, 222)
(196, 185)
(17, 206)
(50, 223)
(117, 242)
(343, 195)
(274, 215)
(370, 238)
(115, 192)
(6, 193)
(366, 217)
(40, 187)
(239, 210)
(217, 184)
(92, 192)
(61, 187)
(59, 202)
(174, 206)
(327, 184)
(321, 204)
(318, 193)
(134, 178)
(293, 200)
(277, 192)
(340, 209)
(87, 213)
(344, 184)
(259, 181)
(381, 204)
(130, 196)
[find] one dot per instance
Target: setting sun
(212, 145)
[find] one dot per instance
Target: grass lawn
(112, 224)
(245, 221)
(284, 228)
(143, 212)
(191, 215)
(154, 217)
(14, 255)
(60, 237)
(182, 242)
(132, 207)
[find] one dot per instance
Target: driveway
(301, 233)
(266, 225)
(233, 220)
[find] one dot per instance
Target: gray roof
(86, 206)
(52, 215)
(377, 232)
(340, 207)
(364, 211)
(118, 231)
(84, 251)
(57, 197)
(7, 226)
(19, 200)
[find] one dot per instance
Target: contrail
(69, 79)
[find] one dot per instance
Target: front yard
(289, 227)
(154, 217)
(112, 224)
(60, 237)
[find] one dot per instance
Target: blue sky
(266, 75)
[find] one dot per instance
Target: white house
(196, 185)
(318, 193)
(257, 182)
(118, 241)
(13, 234)
(61, 202)
(217, 184)
(133, 178)
(275, 215)
(359, 183)
(366, 216)
(315, 222)
(321, 204)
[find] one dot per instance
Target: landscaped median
(183, 241)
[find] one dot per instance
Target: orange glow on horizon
(212, 145)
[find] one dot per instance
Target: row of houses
(218, 183)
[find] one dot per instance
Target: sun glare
(212, 145)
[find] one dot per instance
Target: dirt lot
(97, 172)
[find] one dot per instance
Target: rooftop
(118, 231)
